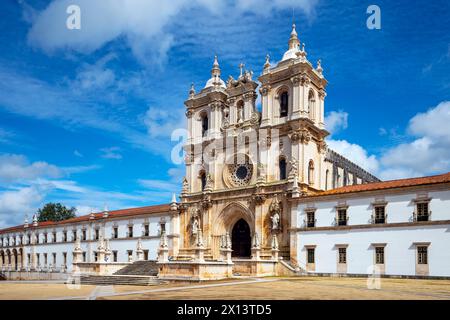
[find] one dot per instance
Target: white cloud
(355, 153)
(427, 152)
(17, 168)
(336, 121)
(161, 122)
(111, 153)
(77, 154)
(142, 23)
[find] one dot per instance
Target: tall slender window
(205, 124)
(203, 179)
(282, 168)
(311, 173)
(311, 105)
(284, 104)
(327, 173)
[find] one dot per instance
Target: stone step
(143, 268)
(120, 280)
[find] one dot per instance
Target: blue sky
(86, 115)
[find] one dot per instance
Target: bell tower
(292, 99)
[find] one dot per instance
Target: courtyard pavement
(273, 288)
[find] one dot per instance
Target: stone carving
(185, 188)
(274, 244)
(275, 211)
(163, 243)
(199, 239)
(294, 169)
(302, 135)
(78, 244)
(228, 241)
(254, 119)
(255, 242)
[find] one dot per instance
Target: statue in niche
(275, 211)
(195, 224)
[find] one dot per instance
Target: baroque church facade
(262, 195)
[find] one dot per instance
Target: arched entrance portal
(241, 239)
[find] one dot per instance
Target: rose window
(240, 174)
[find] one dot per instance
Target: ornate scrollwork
(301, 135)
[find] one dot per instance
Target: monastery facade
(263, 195)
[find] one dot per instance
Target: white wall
(400, 251)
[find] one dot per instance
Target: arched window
(311, 105)
(327, 173)
(202, 177)
(284, 103)
(205, 124)
(240, 111)
(311, 173)
(282, 168)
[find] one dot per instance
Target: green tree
(55, 212)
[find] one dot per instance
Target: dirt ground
(236, 289)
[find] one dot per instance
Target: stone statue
(195, 225)
(275, 221)
(275, 211)
(294, 169)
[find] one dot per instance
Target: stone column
(275, 249)
(77, 252)
(296, 98)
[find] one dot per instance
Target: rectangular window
(115, 232)
(114, 256)
(129, 253)
(379, 255)
(422, 211)
(146, 230)
(65, 236)
(163, 227)
(45, 259)
(422, 255)
(65, 258)
(97, 234)
(311, 219)
(54, 236)
(84, 235)
(45, 238)
(84, 256)
(342, 217)
(54, 258)
(74, 235)
(95, 256)
(311, 257)
(145, 254)
(130, 231)
(342, 255)
(380, 216)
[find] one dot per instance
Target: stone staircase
(188, 254)
(119, 280)
(140, 268)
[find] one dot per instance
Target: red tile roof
(391, 184)
(99, 215)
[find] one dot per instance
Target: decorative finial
(35, 220)
(192, 90)
(173, 203)
(92, 215)
(319, 66)
(241, 68)
(25, 223)
(294, 42)
(267, 64)
(105, 212)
